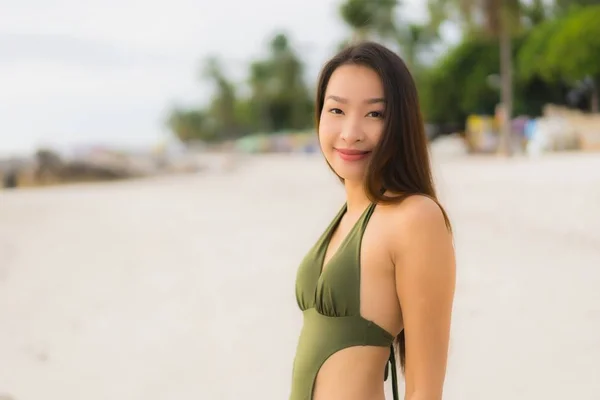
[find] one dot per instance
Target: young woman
(380, 281)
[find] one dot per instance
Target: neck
(356, 198)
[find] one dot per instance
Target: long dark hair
(400, 163)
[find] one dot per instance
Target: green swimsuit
(330, 302)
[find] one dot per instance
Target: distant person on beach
(378, 285)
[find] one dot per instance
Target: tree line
(522, 54)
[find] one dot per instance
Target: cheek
(328, 133)
(375, 132)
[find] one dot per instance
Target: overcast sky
(108, 71)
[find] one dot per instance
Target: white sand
(183, 287)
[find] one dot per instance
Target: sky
(107, 72)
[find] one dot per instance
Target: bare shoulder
(417, 221)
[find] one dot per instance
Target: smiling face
(352, 120)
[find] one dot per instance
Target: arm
(423, 255)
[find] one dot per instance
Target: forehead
(355, 82)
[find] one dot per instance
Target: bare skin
(407, 256)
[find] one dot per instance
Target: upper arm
(423, 255)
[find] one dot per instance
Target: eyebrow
(345, 101)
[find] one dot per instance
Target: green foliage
(278, 99)
(379, 20)
(574, 51)
(279, 93)
(551, 55)
(190, 124)
(462, 83)
(357, 14)
(477, 18)
(370, 17)
(563, 7)
(458, 84)
(564, 49)
(532, 59)
(535, 12)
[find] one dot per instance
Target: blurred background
(161, 181)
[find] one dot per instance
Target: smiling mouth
(350, 152)
(352, 155)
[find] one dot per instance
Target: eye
(375, 114)
(335, 111)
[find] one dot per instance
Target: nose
(352, 130)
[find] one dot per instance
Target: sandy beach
(183, 287)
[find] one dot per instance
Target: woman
(382, 275)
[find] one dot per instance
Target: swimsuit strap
(392, 362)
(394, 373)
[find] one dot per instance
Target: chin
(349, 173)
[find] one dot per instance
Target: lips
(352, 154)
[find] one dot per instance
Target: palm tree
(224, 102)
(413, 39)
(377, 19)
(503, 16)
(369, 18)
(260, 75)
(500, 19)
(279, 96)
